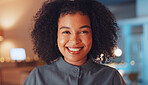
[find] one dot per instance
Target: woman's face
(74, 37)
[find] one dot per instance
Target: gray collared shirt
(62, 73)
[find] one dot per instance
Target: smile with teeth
(74, 50)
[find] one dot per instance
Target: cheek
(89, 43)
(61, 41)
(88, 40)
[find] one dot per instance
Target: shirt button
(75, 70)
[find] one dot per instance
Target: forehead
(72, 13)
(77, 18)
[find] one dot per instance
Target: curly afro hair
(103, 25)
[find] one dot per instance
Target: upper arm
(31, 79)
(118, 80)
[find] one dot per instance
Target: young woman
(69, 35)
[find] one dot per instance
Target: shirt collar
(66, 67)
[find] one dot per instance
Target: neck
(77, 63)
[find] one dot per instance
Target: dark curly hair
(103, 26)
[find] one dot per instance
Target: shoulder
(46, 67)
(38, 73)
(112, 74)
(43, 68)
(104, 68)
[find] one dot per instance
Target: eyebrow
(85, 26)
(64, 27)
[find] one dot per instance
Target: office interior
(16, 23)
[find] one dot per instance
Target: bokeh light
(132, 62)
(118, 52)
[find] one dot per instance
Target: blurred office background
(17, 58)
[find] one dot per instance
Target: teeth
(74, 49)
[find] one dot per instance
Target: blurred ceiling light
(8, 21)
(12, 11)
(118, 52)
(6, 46)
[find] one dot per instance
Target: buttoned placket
(75, 71)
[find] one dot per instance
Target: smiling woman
(74, 39)
(69, 35)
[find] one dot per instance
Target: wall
(16, 20)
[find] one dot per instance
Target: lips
(74, 50)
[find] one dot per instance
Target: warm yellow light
(27, 59)
(6, 46)
(8, 20)
(36, 58)
(2, 59)
(11, 11)
(1, 35)
(118, 52)
(8, 59)
(1, 38)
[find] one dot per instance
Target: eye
(66, 32)
(84, 32)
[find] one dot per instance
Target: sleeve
(118, 80)
(31, 79)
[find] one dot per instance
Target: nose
(75, 39)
